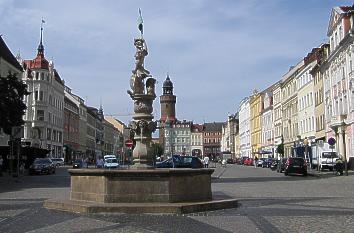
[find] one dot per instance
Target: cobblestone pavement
(269, 202)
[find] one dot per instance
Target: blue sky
(216, 52)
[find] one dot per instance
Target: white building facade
(245, 127)
(338, 79)
(277, 117)
(267, 139)
(44, 118)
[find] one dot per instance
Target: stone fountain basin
(140, 191)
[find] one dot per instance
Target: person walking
(99, 163)
(206, 161)
(255, 162)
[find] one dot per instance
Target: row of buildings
(182, 136)
(56, 119)
(312, 102)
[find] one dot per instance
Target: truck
(324, 156)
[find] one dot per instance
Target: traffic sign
(331, 141)
(129, 143)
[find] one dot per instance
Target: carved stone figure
(150, 86)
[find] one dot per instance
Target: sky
(215, 52)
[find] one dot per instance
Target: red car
(248, 162)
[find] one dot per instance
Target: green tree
(280, 147)
(158, 149)
(12, 107)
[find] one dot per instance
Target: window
(40, 115)
(49, 134)
(41, 96)
(36, 95)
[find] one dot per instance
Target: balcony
(337, 120)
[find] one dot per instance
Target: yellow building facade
(256, 127)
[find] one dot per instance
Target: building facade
(71, 133)
(197, 140)
(337, 71)
(320, 134)
(212, 139)
(44, 118)
(8, 64)
(267, 124)
(245, 128)
(277, 117)
(289, 109)
(256, 128)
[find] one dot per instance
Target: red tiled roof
(38, 63)
(346, 8)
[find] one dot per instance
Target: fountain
(141, 188)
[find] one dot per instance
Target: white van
(110, 161)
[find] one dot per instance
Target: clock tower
(168, 106)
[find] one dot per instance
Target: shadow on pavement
(262, 179)
(59, 180)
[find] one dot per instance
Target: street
(269, 202)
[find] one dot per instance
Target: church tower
(168, 106)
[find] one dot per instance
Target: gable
(336, 16)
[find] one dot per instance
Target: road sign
(129, 143)
(331, 141)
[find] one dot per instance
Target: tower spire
(40, 46)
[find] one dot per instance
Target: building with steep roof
(8, 64)
(44, 118)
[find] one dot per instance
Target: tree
(12, 107)
(157, 149)
(280, 147)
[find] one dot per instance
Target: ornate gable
(336, 16)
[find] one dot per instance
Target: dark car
(78, 163)
(268, 162)
(230, 161)
(296, 165)
(181, 162)
(42, 166)
(281, 165)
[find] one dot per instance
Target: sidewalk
(326, 174)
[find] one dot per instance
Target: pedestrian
(223, 162)
(1, 162)
(87, 161)
(255, 162)
(99, 163)
(206, 161)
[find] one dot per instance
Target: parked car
(230, 161)
(242, 160)
(58, 161)
(181, 162)
(42, 166)
(248, 162)
(268, 162)
(78, 163)
(260, 162)
(296, 165)
(281, 165)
